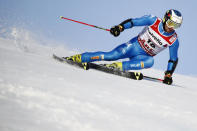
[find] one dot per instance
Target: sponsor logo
(102, 57)
(155, 38)
(142, 64)
(137, 75)
(173, 38)
(95, 57)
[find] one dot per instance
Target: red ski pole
(152, 78)
(61, 17)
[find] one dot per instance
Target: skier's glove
(115, 30)
(168, 78)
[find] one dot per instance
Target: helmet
(173, 19)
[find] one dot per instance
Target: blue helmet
(173, 19)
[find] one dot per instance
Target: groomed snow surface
(38, 93)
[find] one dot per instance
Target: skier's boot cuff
(75, 58)
(117, 65)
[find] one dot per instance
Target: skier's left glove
(168, 78)
(115, 30)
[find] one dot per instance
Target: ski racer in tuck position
(156, 36)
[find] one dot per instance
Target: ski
(63, 60)
(102, 68)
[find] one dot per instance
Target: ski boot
(115, 66)
(74, 58)
(77, 59)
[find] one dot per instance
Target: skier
(156, 36)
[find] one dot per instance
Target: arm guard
(173, 65)
(127, 24)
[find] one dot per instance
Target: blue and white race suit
(141, 49)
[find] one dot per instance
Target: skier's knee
(113, 55)
(147, 63)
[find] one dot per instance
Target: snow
(38, 93)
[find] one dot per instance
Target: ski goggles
(172, 24)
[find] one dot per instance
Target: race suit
(141, 49)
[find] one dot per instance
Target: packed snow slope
(38, 93)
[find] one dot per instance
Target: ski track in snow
(38, 93)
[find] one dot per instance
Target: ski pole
(61, 17)
(152, 78)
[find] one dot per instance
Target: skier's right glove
(115, 30)
(168, 78)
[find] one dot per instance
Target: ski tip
(61, 17)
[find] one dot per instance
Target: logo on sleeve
(173, 38)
